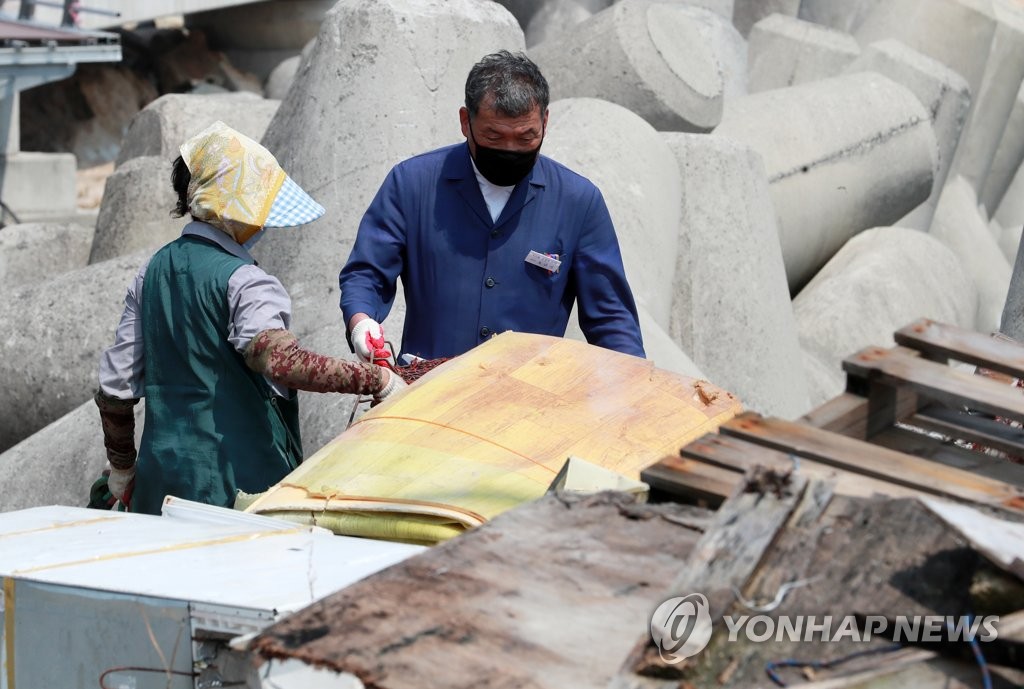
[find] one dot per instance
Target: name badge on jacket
(548, 262)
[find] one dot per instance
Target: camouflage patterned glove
(277, 355)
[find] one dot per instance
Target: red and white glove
(368, 340)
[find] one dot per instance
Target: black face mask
(503, 168)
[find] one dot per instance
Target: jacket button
(485, 331)
(489, 282)
(495, 234)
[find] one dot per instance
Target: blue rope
(771, 667)
(986, 676)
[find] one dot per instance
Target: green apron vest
(213, 426)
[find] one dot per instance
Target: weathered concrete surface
(842, 155)
(49, 361)
(957, 33)
(994, 99)
(1007, 159)
(166, 123)
(960, 226)
(38, 186)
(357, 109)
(280, 80)
(136, 209)
(1009, 242)
(746, 13)
(57, 464)
(1012, 322)
(555, 19)
(851, 303)
(660, 348)
(35, 252)
(1011, 208)
(785, 51)
(846, 15)
(639, 178)
(665, 58)
(944, 95)
(730, 281)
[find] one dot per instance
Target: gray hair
(512, 79)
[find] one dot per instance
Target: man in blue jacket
(488, 235)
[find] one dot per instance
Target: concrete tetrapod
(1011, 208)
(1008, 157)
(35, 252)
(49, 361)
(665, 58)
(639, 178)
(731, 309)
(993, 100)
(942, 92)
(554, 19)
(746, 13)
(356, 109)
(961, 227)
(850, 303)
(845, 16)
(842, 155)
(785, 51)
(957, 33)
(166, 123)
(58, 464)
(1012, 322)
(136, 209)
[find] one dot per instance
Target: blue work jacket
(466, 277)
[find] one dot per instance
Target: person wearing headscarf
(205, 338)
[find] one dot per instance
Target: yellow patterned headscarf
(234, 180)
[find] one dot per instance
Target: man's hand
(394, 385)
(118, 482)
(367, 337)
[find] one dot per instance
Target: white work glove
(118, 481)
(362, 333)
(394, 386)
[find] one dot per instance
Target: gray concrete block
(49, 362)
(1011, 209)
(824, 380)
(36, 252)
(58, 464)
(957, 33)
(169, 121)
(731, 309)
(38, 186)
(944, 95)
(136, 209)
(961, 227)
(746, 13)
(1007, 159)
(554, 19)
(846, 16)
(355, 111)
(842, 155)
(1012, 320)
(639, 178)
(994, 99)
(280, 80)
(785, 51)
(723, 8)
(661, 349)
(660, 60)
(1009, 242)
(878, 282)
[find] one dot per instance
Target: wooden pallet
(908, 424)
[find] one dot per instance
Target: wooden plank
(739, 455)
(971, 427)
(477, 611)
(936, 381)
(693, 482)
(725, 557)
(871, 460)
(851, 413)
(941, 341)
